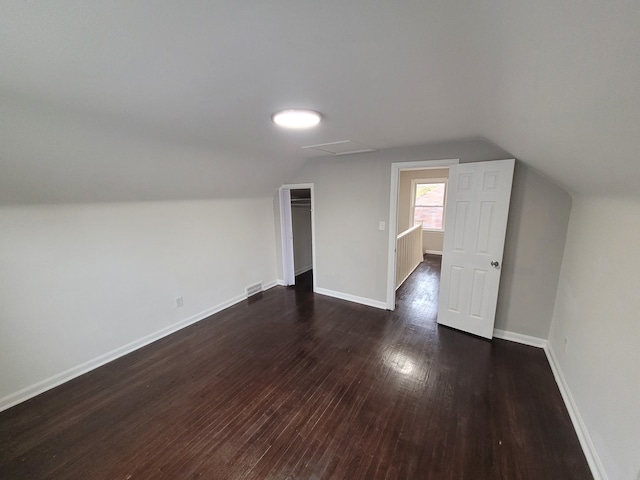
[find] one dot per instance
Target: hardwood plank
(296, 385)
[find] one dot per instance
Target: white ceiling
(141, 100)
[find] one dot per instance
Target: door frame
(396, 168)
(286, 225)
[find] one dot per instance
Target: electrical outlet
(179, 302)
(381, 226)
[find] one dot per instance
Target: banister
(408, 253)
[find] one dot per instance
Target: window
(428, 203)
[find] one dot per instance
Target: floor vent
(253, 289)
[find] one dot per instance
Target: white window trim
(414, 183)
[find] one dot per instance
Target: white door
(476, 219)
(286, 233)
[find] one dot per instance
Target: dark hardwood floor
(293, 385)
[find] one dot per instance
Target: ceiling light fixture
(296, 118)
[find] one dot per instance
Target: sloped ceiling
(145, 100)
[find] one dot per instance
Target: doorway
(395, 221)
(421, 201)
(298, 235)
(477, 211)
(420, 230)
(302, 234)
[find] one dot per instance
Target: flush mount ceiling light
(296, 118)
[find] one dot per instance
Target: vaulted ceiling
(122, 100)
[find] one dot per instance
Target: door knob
(495, 264)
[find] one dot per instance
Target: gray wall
(534, 245)
(302, 252)
(352, 196)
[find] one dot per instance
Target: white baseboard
(520, 338)
(351, 298)
(586, 443)
(302, 270)
(31, 391)
(268, 285)
(597, 469)
(434, 252)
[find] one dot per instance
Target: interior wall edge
(304, 269)
(351, 298)
(589, 449)
(520, 338)
(580, 428)
(47, 384)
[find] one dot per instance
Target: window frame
(414, 185)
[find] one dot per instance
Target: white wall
(51, 154)
(80, 281)
(302, 251)
(352, 197)
(598, 311)
(431, 241)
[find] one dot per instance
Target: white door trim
(284, 227)
(393, 217)
(286, 237)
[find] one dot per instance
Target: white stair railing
(408, 253)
